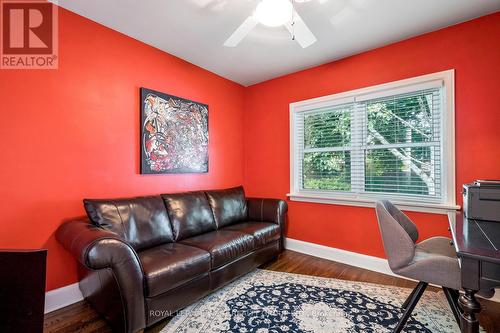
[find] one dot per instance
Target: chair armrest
(97, 248)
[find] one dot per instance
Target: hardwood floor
(80, 317)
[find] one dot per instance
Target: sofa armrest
(269, 210)
(97, 248)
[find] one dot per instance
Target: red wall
(471, 48)
(72, 133)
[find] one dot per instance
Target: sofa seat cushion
(170, 265)
(263, 232)
(224, 246)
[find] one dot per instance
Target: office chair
(433, 260)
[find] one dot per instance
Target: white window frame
(448, 202)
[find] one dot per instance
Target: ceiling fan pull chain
(293, 21)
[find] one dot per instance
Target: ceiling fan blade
(241, 32)
(303, 35)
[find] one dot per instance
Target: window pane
(406, 118)
(327, 171)
(327, 129)
(403, 170)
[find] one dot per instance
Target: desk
(477, 244)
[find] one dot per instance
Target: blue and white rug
(274, 302)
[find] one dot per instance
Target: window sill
(369, 202)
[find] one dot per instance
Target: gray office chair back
(430, 261)
(399, 234)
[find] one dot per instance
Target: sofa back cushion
(229, 206)
(142, 222)
(189, 213)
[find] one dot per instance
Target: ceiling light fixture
(274, 13)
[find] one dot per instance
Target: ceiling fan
(275, 13)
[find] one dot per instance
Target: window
(393, 141)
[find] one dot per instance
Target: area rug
(273, 302)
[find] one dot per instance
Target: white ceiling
(195, 30)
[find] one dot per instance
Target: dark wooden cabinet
(22, 290)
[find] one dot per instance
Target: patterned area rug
(273, 302)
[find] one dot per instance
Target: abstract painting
(174, 134)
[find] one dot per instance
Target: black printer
(482, 200)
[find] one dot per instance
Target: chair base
(412, 300)
(452, 298)
(410, 304)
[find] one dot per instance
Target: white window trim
(368, 200)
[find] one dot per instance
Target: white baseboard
(345, 257)
(349, 258)
(59, 298)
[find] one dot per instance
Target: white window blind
(382, 143)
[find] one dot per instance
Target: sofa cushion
(224, 246)
(189, 213)
(170, 265)
(142, 222)
(229, 206)
(263, 232)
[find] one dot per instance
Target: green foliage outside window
(405, 120)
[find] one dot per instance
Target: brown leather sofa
(141, 259)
